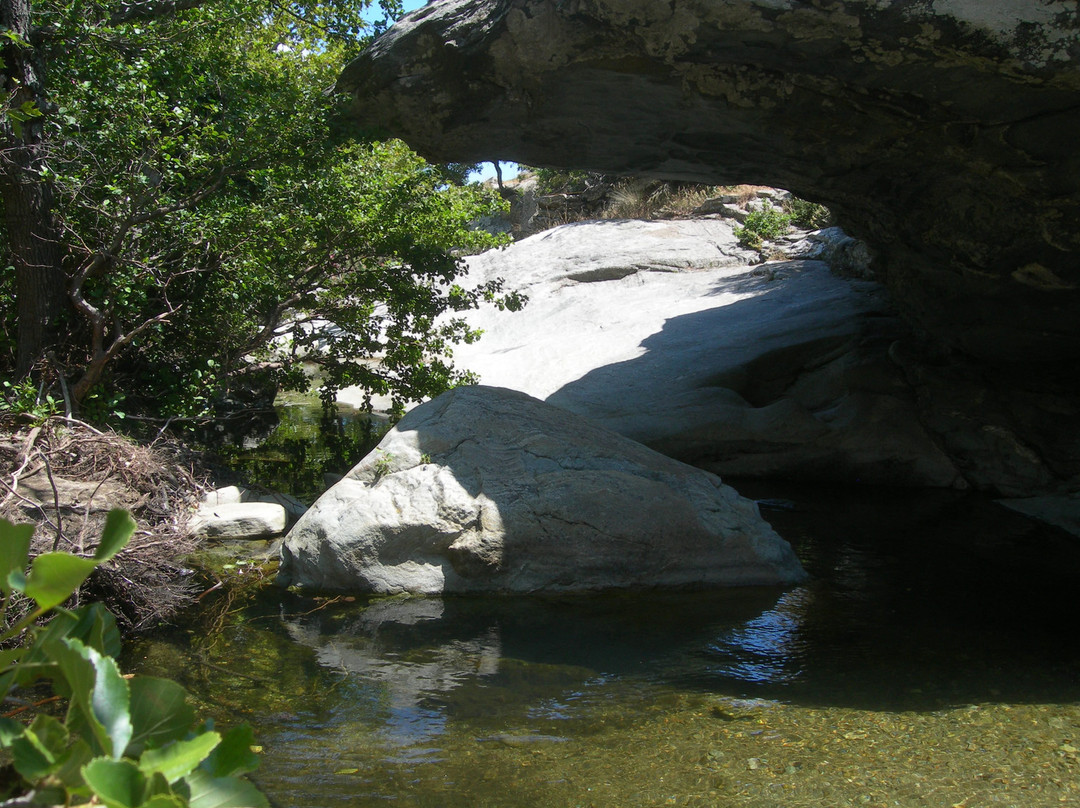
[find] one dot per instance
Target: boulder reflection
(444, 659)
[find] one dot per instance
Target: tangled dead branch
(65, 475)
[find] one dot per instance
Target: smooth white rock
(233, 494)
(662, 332)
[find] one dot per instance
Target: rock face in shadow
(490, 490)
(943, 134)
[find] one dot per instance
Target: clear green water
(931, 661)
(299, 445)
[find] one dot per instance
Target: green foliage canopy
(219, 225)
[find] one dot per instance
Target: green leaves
(233, 756)
(762, 225)
(53, 578)
(211, 216)
(159, 711)
(117, 783)
(19, 115)
(223, 792)
(118, 530)
(179, 758)
(127, 743)
(14, 551)
(99, 692)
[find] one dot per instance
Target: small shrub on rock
(761, 226)
(810, 215)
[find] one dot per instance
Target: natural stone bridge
(942, 133)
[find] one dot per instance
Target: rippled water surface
(931, 661)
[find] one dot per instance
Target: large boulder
(663, 332)
(490, 490)
(943, 134)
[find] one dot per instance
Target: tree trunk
(33, 239)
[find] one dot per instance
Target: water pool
(930, 661)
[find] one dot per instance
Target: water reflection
(767, 649)
(930, 654)
(533, 657)
(297, 445)
(375, 646)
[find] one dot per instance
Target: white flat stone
(239, 520)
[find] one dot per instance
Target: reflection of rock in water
(520, 652)
(412, 675)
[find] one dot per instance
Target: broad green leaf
(118, 530)
(50, 734)
(70, 770)
(179, 758)
(54, 577)
(222, 792)
(14, 550)
(117, 783)
(159, 786)
(111, 700)
(96, 627)
(16, 580)
(10, 729)
(41, 748)
(99, 690)
(10, 655)
(50, 795)
(77, 675)
(38, 663)
(233, 755)
(164, 801)
(30, 762)
(159, 712)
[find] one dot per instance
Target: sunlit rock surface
(490, 490)
(239, 520)
(662, 332)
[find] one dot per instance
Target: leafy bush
(215, 216)
(556, 181)
(810, 215)
(761, 226)
(24, 397)
(123, 742)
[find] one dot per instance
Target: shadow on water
(922, 600)
(917, 602)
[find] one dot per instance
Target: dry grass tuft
(64, 476)
(651, 199)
